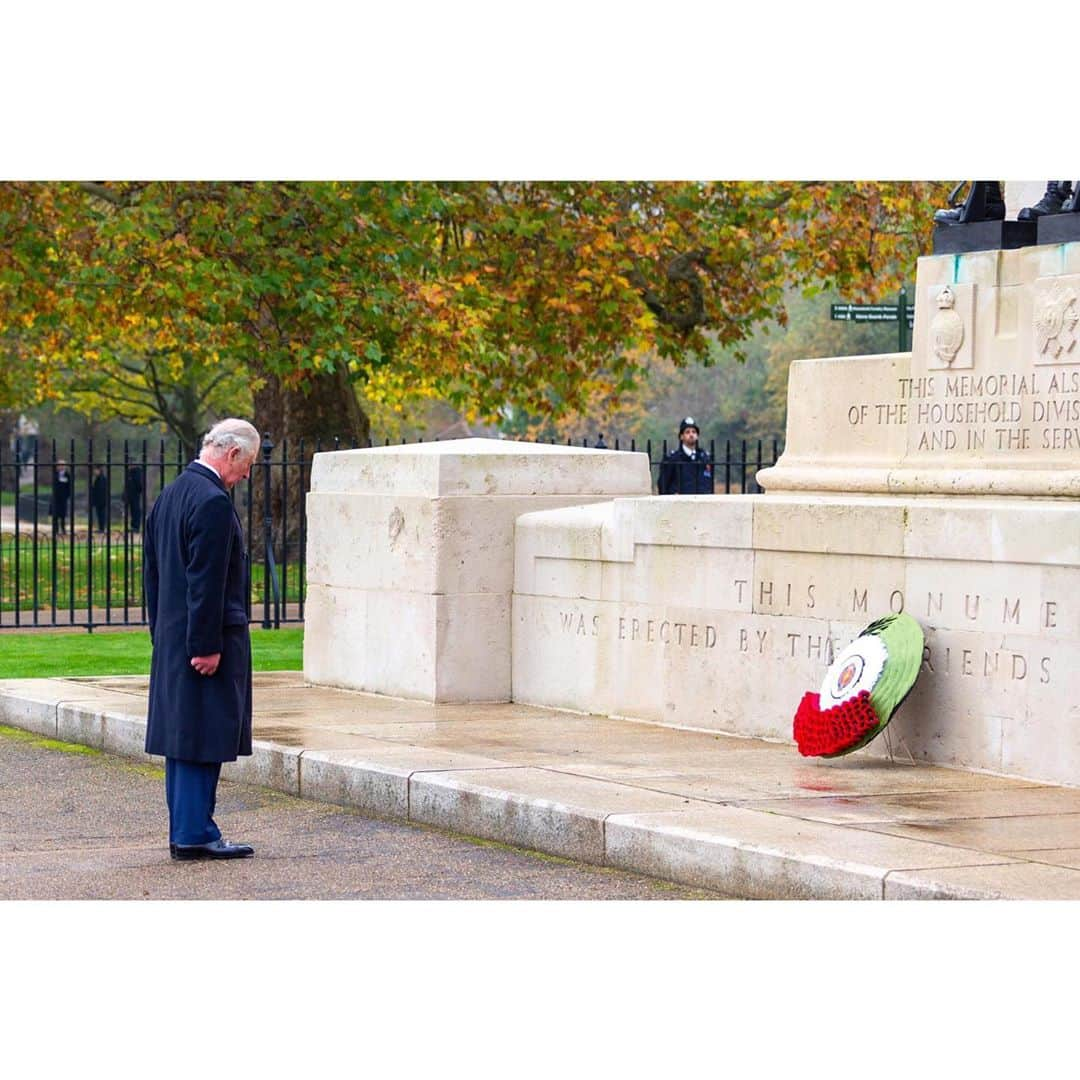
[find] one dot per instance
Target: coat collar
(202, 470)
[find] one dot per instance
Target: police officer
(688, 469)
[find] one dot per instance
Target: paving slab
(1005, 835)
(1003, 881)
(768, 856)
(744, 817)
(555, 812)
(927, 806)
(374, 777)
(1055, 856)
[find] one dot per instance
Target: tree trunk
(326, 410)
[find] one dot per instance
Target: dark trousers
(191, 792)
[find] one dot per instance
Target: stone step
(745, 817)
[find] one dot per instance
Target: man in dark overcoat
(195, 569)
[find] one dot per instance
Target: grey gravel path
(79, 824)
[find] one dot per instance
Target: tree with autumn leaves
(172, 299)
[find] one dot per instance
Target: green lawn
(41, 656)
(107, 575)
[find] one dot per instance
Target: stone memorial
(940, 482)
(410, 558)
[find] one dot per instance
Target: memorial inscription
(1007, 412)
(719, 641)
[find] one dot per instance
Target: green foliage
(731, 399)
(535, 295)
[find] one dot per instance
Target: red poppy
(825, 733)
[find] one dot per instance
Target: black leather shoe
(216, 849)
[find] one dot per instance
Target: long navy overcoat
(195, 571)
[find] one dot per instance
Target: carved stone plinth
(1059, 228)
(410, 558)
(983, 236)
(987, 402)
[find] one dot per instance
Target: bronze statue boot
(1072, 204)
(983, 203)
(1058, 192)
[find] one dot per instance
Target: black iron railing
(71, 533)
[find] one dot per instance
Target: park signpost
(902, 313)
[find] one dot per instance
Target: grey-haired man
(195, 569)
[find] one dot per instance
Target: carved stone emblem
(947, 329)
(1055, 322)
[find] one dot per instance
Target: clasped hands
(206, 665)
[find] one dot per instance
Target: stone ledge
(481, 468)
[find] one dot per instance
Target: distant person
(61, 496)
(99, 497)
(688, 469)
(133, 492)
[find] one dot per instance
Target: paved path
(740, 816)
(88, 825)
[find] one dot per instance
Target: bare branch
(681, 274)
(101, 191)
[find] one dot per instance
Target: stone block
(757, 855)
(36, 714)
(82, 725)
(1007, 880)
(124, 733)
(410, 544)
(351, 780)
(376, 779)
(937, 269)
(685, 577)
(32, 704)
(411, 558)
(694, 521)
(480, 467)
(531, 808)
(733, 649)
(371, 542)
(993, 530)
(1040, 261)
(867, 526)
(997, 417)
(409, 644)
(269, 765)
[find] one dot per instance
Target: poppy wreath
(862, 690)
